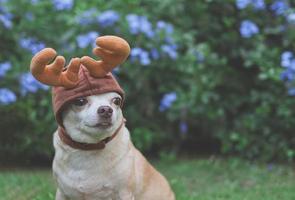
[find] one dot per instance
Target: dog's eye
(80, 101)
(117, 101)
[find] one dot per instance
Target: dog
(95, 158)
(117, 172)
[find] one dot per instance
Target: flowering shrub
(31, 44)
(167, 101)
(248, 29)
(108, 18)
(6, 96)
(87, 39)
(28, 84)
(4, 67)
(62, 4)
(257, 4)
(198, 71)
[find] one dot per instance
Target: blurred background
(209, 77)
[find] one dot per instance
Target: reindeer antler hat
(82, 77)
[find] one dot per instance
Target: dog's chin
(100, 127)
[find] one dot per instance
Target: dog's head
(92, 118)
(86, 96)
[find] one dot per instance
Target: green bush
(207, 69)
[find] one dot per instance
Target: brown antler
(112, 50)
(53, 74)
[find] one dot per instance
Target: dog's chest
(81, 184)
(88, 177)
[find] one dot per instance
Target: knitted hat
(87, 86)
(82, 77)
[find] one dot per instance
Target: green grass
(202, 179)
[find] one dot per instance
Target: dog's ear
(112, 50)
(54, 74)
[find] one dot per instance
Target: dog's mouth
(102, 125)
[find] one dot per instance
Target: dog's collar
(87, 146)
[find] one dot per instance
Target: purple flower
(291, 91)
(141, 55)
(29, 84)
(34, 2)
(144, 58)
(161, 24)
(86, 39)
(31, 44)
(4, 67)
(135, 51)
(6, 19)
(287, 75)
(183, 127)
(146, 27)
(3, 7)
(139, 24)
(87, 17)
(167, 101)
(167, 27)
(134, 24)
(108, 18)
(288, 62)
(29, 16)
(241, 4)
(280, 7)
(63, 4)
(257, 4)
(287, 59)
(292, 65)
(7, 96)
(170, 50)
(248, 29)
(155, 54)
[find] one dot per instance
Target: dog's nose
(105, 111)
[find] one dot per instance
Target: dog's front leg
(60, 196)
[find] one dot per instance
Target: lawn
(199, 179)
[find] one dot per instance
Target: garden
(210, 91)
